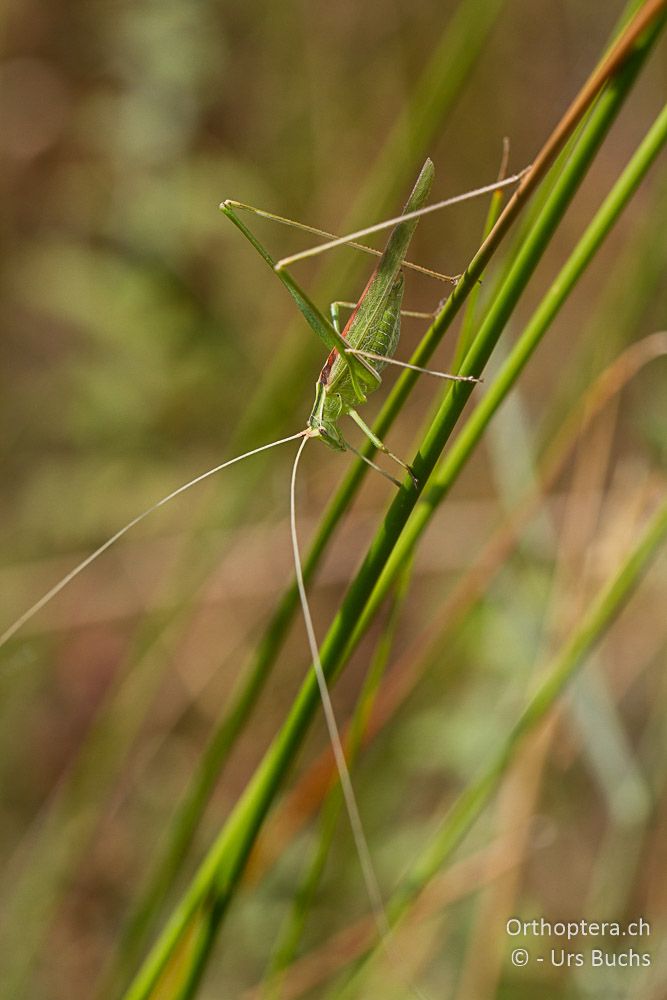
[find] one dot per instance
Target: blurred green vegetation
(144, 342)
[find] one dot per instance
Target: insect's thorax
(374, 326)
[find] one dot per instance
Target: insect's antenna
(50, 594)
(360, 842)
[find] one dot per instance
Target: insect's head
(326, 432)
(322, 422)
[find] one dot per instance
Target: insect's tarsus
(374, 465)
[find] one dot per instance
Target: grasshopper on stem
(357, 355)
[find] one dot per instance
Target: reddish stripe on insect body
(328, 365)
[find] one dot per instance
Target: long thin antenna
(360, 842)
(50, 594)
(358, 834)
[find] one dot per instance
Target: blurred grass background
(141, 342)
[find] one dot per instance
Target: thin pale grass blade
(607, 748)
(631, 289)
(467, 332)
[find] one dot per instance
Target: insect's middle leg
(381, 446)
(335, 308)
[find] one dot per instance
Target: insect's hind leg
(352, 238)
(381, 446)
